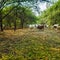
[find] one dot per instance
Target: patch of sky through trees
(40, 5)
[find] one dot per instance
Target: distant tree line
(14, 14)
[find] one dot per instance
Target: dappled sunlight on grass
(27, 44)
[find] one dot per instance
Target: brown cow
(40, 27)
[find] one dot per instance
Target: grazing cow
(36, 25)
(31, 26)
(40, 27)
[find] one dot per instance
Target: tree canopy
(12, 11)
(52, 15)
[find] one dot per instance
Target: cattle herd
(43, 26)
(38, 26)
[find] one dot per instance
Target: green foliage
(15, 14)
(51, 15)
(22, 16)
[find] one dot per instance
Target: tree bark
(14, 25)
(1, 25)
(22, 23)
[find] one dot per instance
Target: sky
(43, 6)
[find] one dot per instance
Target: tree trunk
(22, 24)
(1, 26)
(14, 25)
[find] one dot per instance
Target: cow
(55, 25)
(41, 27)
(31, 26)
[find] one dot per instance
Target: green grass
(29, 44)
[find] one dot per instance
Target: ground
(30, 44)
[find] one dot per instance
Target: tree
(26, 16)
(51, 15)
(4, 3)
(1, 4)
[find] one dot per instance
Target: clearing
(30, 44)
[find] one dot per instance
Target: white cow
(55, 25)
(32, 26)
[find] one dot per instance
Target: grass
(30, 44)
